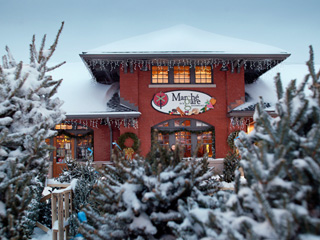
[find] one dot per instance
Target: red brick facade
(134, 87)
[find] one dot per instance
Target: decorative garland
(133, 136)
(185, 130)
(77, 136)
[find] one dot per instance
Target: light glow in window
(181, 74)
(203, 74)
(159, 74)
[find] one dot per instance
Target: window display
(74, 141)
(64, 150)
(196, 137)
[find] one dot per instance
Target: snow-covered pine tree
(203, 220)
(28, 113)
(281, 162)
(230, 165)
(231, 161)
(136, 200)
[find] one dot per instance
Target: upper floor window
(203, 74)
(159, 74)
(182, 75)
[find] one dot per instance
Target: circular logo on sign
(160, 99)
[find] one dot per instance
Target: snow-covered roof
(82, 96)
(184, 39)
(265, 85)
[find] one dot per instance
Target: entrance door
(196, 137)
(64, 150)
(183, 139)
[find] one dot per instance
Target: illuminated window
(203, 74)
(181, 74)
(159, 74)
(204, 142)
(195, 137)
(84, 148)
(64, 148)
(163, 139)
(74, 141)
(179, 123)
(183, 138)
(63, 126)
(165, 124)
(250, 127)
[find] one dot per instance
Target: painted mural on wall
(182, 102)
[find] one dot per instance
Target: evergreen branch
(317, 146)
(237, 181)
(315, 87)
(5, 63)
(265, 206)
(18, 71)
(281, 149)
(204, 177)
(12, 62)
(165, 217)
(1, 75)
(111, 180)
(264, 118)
(303, 84)
(55, 43)
(310, 64)
(290, 93)
(179, 192)
(54, 90)
(33, 52)
(22, 81)
(42, 48)
(5, 185)
(275, 169)
(299, 120)
(279, 87)
(55, 66)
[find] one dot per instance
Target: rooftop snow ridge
(183, 38)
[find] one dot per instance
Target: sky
(290, 25)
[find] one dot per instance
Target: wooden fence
(61, 209)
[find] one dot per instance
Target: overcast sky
(288, 24)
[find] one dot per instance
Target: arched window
(196, 137)
(74, 141)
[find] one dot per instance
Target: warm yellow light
(250, 127)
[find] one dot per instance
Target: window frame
(192, 73)
(171, 129)
(74, 131)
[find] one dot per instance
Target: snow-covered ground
(38, 234)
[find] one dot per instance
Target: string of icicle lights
(237, 123)
(94, 123)
(145, 64)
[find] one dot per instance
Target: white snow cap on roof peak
(187, 39)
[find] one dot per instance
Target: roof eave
(152, 55)
(247, 113)
(103, 115)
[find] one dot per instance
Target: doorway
(196, 137)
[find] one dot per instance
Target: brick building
(185, 83)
